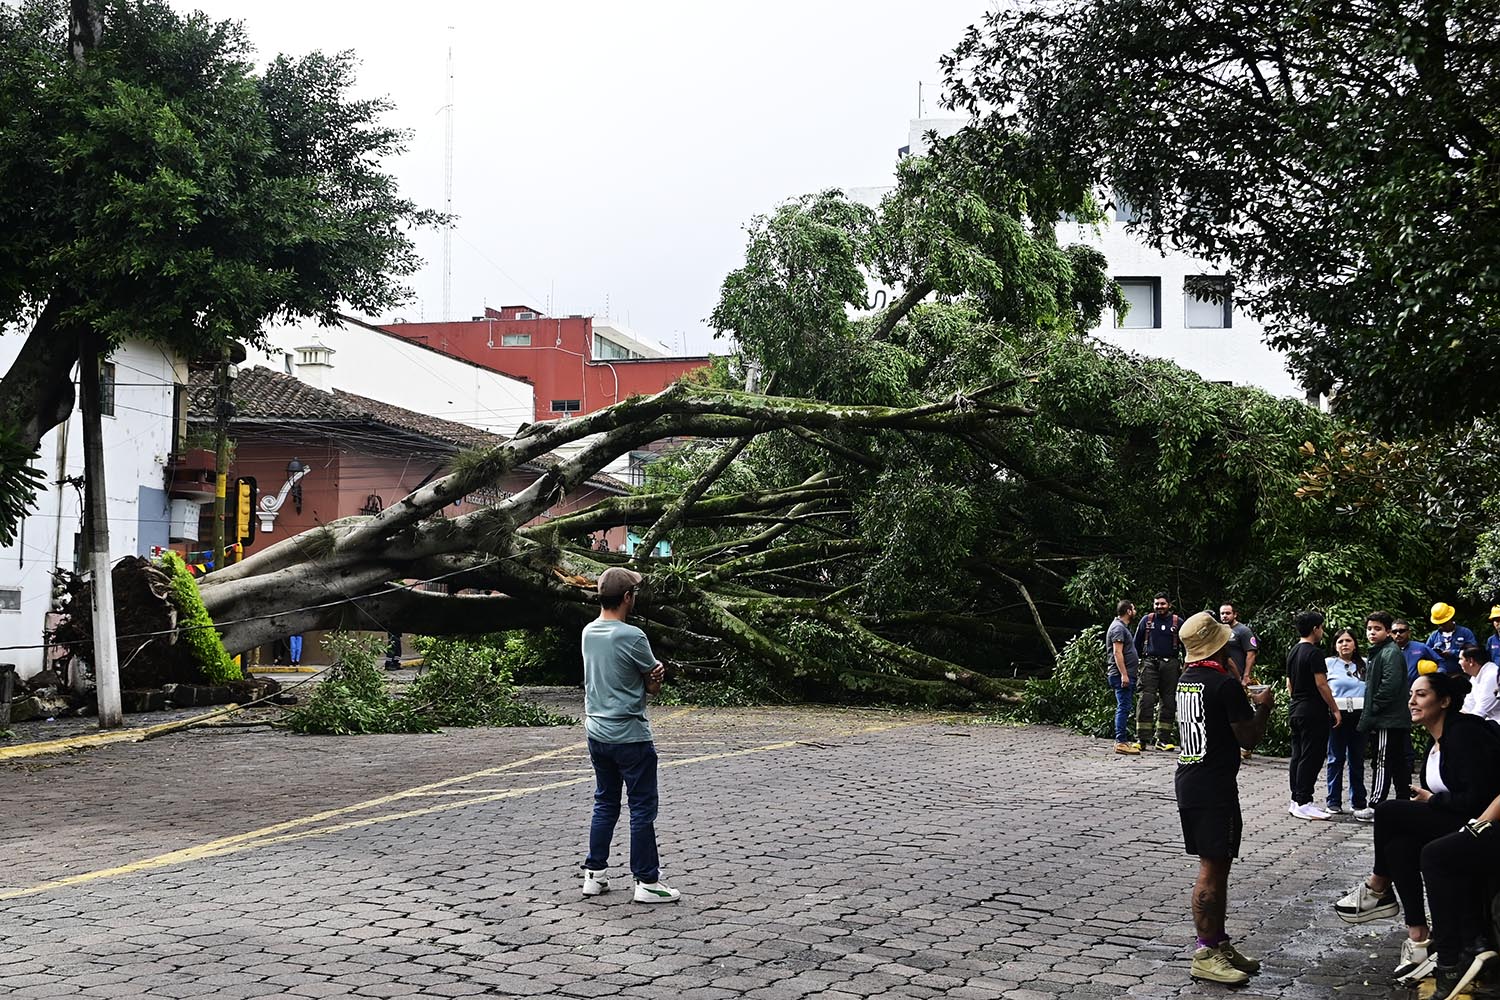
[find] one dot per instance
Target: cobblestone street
(820, 853)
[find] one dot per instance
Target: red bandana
(1210, 664)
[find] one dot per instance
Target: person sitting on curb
(1215, 720)
(1460, 776)
(1483, 698)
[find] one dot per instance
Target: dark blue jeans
(1346, 742)
(1124, 701)
(634, 766)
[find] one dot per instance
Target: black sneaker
(1453, 979)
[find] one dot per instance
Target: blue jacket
(1492, 648)
(1448, 647)
(1415, 651)
(1157, 635)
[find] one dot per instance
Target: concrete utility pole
(85, 27)
(96, 533)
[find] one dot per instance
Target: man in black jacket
(1160, 648)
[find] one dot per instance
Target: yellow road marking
(88, 740)
(257, 839)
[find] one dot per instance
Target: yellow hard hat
(1495, 612)
(1426, 667)
(1441, 613)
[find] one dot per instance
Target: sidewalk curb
(104, 739)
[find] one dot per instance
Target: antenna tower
(448, 194)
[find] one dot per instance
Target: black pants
(1309, 751)
(1457, 870)
(1389, 767)
(1158, 686)
(1402, 830)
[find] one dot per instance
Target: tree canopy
(1339, 156)
(169, 191)
(935, 498)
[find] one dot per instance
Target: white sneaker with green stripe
(655, 892)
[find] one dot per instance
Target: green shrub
(470, 683)
(353, 695)
(195, 628)
(464, 683)
(729, 692)
(1077, 695)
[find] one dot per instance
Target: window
(1207, 303)
(566, 406)
(107, 389)
(10, 598)
(1124, 210)
(608, 350)
(179, 417)
(1143, 296)
(515, 340)
(526, 314)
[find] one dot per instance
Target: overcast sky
(614, 151)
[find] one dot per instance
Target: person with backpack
(1460, 778)
(1160, 648)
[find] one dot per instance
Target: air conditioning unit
(182, 523)
(525, 315)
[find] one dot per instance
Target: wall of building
(1237, 353)
(404, 373)
(555, 354)
(137, 441)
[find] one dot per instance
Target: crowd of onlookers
(1435, 841)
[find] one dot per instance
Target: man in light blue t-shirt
(619, 671)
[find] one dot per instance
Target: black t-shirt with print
(1303, 663)
(1208, 700)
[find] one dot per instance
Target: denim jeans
(634, 765)
(1345, 741)
(1124, 701)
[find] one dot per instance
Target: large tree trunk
(349, 574)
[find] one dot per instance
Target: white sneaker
(1309, 811)
(595, 883)
(1364, 904)
(655, 892)
(1413, 958)
(1292, 807)
(1365, 815)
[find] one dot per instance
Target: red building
(576, 365)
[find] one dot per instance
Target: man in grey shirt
(1121, 662)
(619, 671)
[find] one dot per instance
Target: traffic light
(245, 493)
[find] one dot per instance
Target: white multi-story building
(144, 416)
(1166, 319)
(363, 359)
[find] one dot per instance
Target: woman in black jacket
(1460, 777)
(1457, 867)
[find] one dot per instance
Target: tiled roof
(265, 396)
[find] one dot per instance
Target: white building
(144, 416)
(1165, 319)
(365, 360)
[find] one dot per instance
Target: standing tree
(1339, 156)
(168, 191)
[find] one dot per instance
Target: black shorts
(1211, 831)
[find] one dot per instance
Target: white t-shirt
(1483, 698)
(1434, 771)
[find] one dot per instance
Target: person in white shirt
(1484, 698)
